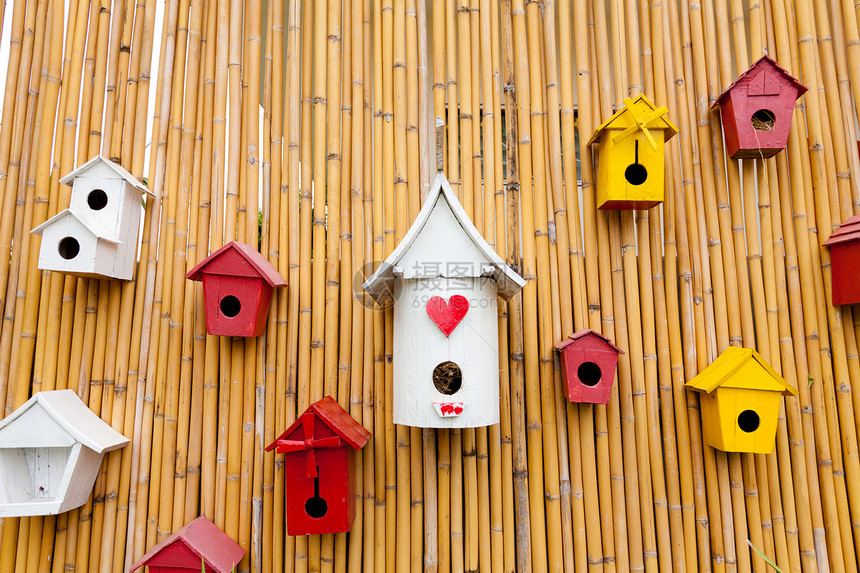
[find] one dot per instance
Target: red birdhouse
(844, 245)
(756, 110)
(588, 362)
(320, 447)
(237, 289)
(199, 546)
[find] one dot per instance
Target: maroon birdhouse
(199, 546)
(756, 110)
(844, 245)
(237, 289)
(588, 362)
(319, 449)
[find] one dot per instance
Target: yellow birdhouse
(630, 147)
(740, 401)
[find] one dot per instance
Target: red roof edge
(801, 89)
(847, 231)
(265, 269)
(336, 418)
(585, 332)
(203, 537)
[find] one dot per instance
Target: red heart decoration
(447, 315)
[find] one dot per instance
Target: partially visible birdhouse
(199, 546)
(319, 465)
(444, 280)
(740, 401)
(51, 449)
(631, 170)
(756, 110)
(588, 362)
(844, 245)
(237, 289)
(97, 236)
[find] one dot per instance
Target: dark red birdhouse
(237, 289)
(320, 447)
(588, 362)
(844, 245)
(199, 546)
(756, 110)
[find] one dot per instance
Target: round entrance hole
(447, 378)
(316, 507)
(763, 120)
(69, 248)
(636, 174)
(748, 421)
(97, 199)
(230, 306)
(589, 373)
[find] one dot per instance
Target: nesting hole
(763, 120)
(69, 248)
(636, 174)
(97, 199)
(316, 507)
(748, 421)
(230, 306)
(589, 373)
(447, 378)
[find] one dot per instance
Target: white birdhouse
(444, 280)
(97, 236)
(50, 452)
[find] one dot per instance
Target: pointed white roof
(73, 416)
(98, 160)
(92, 224)
(441, 238)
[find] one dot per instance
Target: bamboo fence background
(349, 91)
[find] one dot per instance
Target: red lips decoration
(447, 315)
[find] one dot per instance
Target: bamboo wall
(349, 91)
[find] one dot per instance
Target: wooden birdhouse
(844, 245)
(199, 546)
(443, 280)
(740, 401)
(319, 449)
(97, 236)
(630, 145)
(756, 110)
(237, 289)
(588, 362)
(51, 449)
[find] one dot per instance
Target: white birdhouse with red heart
(444, 280)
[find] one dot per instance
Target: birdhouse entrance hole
(69, 248)
(763, 120)
(589, 373)
(748, 421)
(447, 378)
(316, 506)
(636, 174)
(230, 306)
(97, 199)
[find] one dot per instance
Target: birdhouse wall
(420, 346)
(31, 474)
(623, 185)
(336, 487)
(583, 391)
(84, 262)
(723, 428)
(176, 557)
(742, 139)
(105, 199)
(845, 265)
(253, 296)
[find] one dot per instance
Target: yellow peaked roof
(637, 114)
(730, 369)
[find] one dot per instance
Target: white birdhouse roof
(442, 232)
(92, 224)
(98, 160)
(70, 414)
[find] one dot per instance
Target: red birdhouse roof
(336, 418)
(248, 263)
(203, 539)
(582, 336)
(848, 231)
(764, 61)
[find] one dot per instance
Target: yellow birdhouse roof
(639, 114)
(740, 368)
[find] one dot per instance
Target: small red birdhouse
(199, 546)
(237, 289)
(756, 110)
(844, 245)
(588, 362)
(320, 447)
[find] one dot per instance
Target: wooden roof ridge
(765, 59)
(336, 418)
(264, 268)
(582, 333)
(198, 536)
